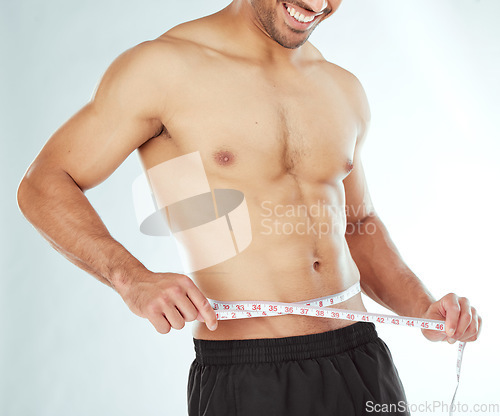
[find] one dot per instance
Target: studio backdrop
(70, 346)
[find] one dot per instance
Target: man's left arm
(385, 277)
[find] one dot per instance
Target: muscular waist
(277, 326)
(259, 281)
(283, 265)
(287, 270)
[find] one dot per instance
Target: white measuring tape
(320, 308)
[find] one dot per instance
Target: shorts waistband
(301, 347)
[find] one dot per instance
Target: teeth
(299, 16)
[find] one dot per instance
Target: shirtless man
(272, 118)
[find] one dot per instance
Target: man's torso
(285, 136)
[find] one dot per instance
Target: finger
(464, 320)
(160, 323)
(174, 317)
(472, 332)
(203, 306)
(187, 310)
(452, 312)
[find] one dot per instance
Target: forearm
(384, 275)
(54, 204)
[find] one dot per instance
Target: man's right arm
(125, 112)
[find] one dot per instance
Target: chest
(245, 124)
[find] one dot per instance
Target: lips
(299, 17)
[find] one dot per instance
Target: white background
(69, 345)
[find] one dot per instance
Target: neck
(241, 22)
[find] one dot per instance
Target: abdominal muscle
(280, 267)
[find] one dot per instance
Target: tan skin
(282, 125)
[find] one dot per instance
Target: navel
(224, 157)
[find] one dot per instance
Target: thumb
(452, 313)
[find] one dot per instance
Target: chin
(293, 46)
(290, 38)
(288, 43)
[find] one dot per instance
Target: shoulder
(176, 53)
(351, 87)
(170, 54)
(143, 75)
(149, 59)
(352, 91)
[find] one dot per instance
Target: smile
(299, 17)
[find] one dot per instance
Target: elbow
(28, 190)
(370, 217)
(23, 196)
(363, 226)
(41, 186)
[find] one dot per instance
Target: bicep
(123, 114)
(357, 196)
(358, 201)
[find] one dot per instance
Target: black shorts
(347, 371)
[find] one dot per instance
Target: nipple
(224, 157)
(349, 165)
